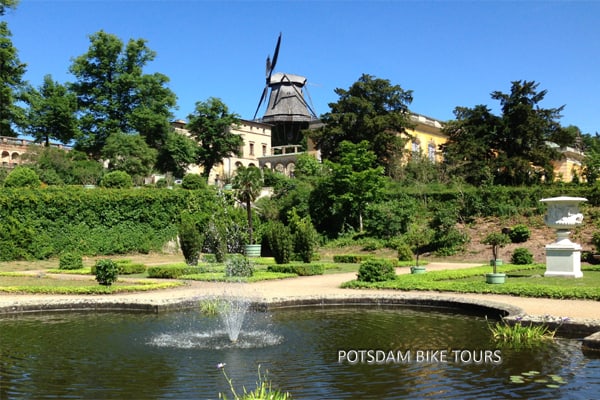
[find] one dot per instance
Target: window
(415, 147)
(251, 148)
(264, 150)
(431, 152)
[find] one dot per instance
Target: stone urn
(563, 257)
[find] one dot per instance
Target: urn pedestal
(563, 257)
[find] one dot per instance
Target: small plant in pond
(497, 240)
(210, 306)
(264, 389)
(519, 334)
(239, 266)
(106, 272)
(552, 381)
(70, 260)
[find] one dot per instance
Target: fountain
(232, 311)
(563, 257)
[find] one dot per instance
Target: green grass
(37, 284)
(522, 280)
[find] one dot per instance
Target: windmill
(287, 109)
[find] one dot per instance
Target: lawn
(522, 280)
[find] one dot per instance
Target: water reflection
(173, 355)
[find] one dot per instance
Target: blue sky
(449, 53)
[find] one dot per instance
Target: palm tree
(247, 184)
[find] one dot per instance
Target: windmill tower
(287, 108)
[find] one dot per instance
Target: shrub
(190, 239)
(173, 271)
(117, 180)
(372, 244)
(279, 239)
(216, 239)
(106, 272)
(521, 256)
(596, 241)
(350, 258)
(70, 260)
(193, 182)
(305, 237)
(376, 271)
(298, 269)
(404, 252)
(126, 267)
(239, 266)
(22, 177)
(519, 233)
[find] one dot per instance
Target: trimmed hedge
(298, 269)
(173, 271)
(43, 223)
(350, 258)
(376, 271)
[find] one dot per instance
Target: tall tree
(526, 129)
(51, 113)
(177, 154)
(11, 83)
(115, 95)
(247, 184)
(372, 109)
(210, 124)
(129, 153)
(468, 152)
(5, 4)
(341, 196)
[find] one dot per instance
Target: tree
(511, 148)
(340, 197)
(468, 152)
(129, 153)
(51, 113)
(4, 4)
(247, 184)
(11, 83)
(178, 152)
(525, 131)
(372, 109)
(115, 95)
(591, 161)
(210, 124)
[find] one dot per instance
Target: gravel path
(322, 288)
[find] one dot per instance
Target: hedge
(173, 271)
(43, 223)
(298, 269)
(350, 258)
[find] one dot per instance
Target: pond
(313, 353)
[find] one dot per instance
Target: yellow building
(257, 143)
(425, 137)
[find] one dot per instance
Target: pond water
(174, 356)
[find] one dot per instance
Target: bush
(193, 182)
(305, 237)
(376, 271)
(117, 180)
(519, 233)
(190, 239)
(279, 239)
(173, 271)
(404, 252)
(298, 269)
(239, 266)
(106, 272)
(350, 258)
(521, 256)
(126, 267)
(21, 177)
(70, 260)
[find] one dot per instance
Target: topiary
(190, 239)
(193, 182)
(70, 260)
(117, 180)
(22, 177)
(106, 272)
(279, 239)
(376, 271)
(521, 256)
(519, 233)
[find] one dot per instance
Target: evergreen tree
(11, 83)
